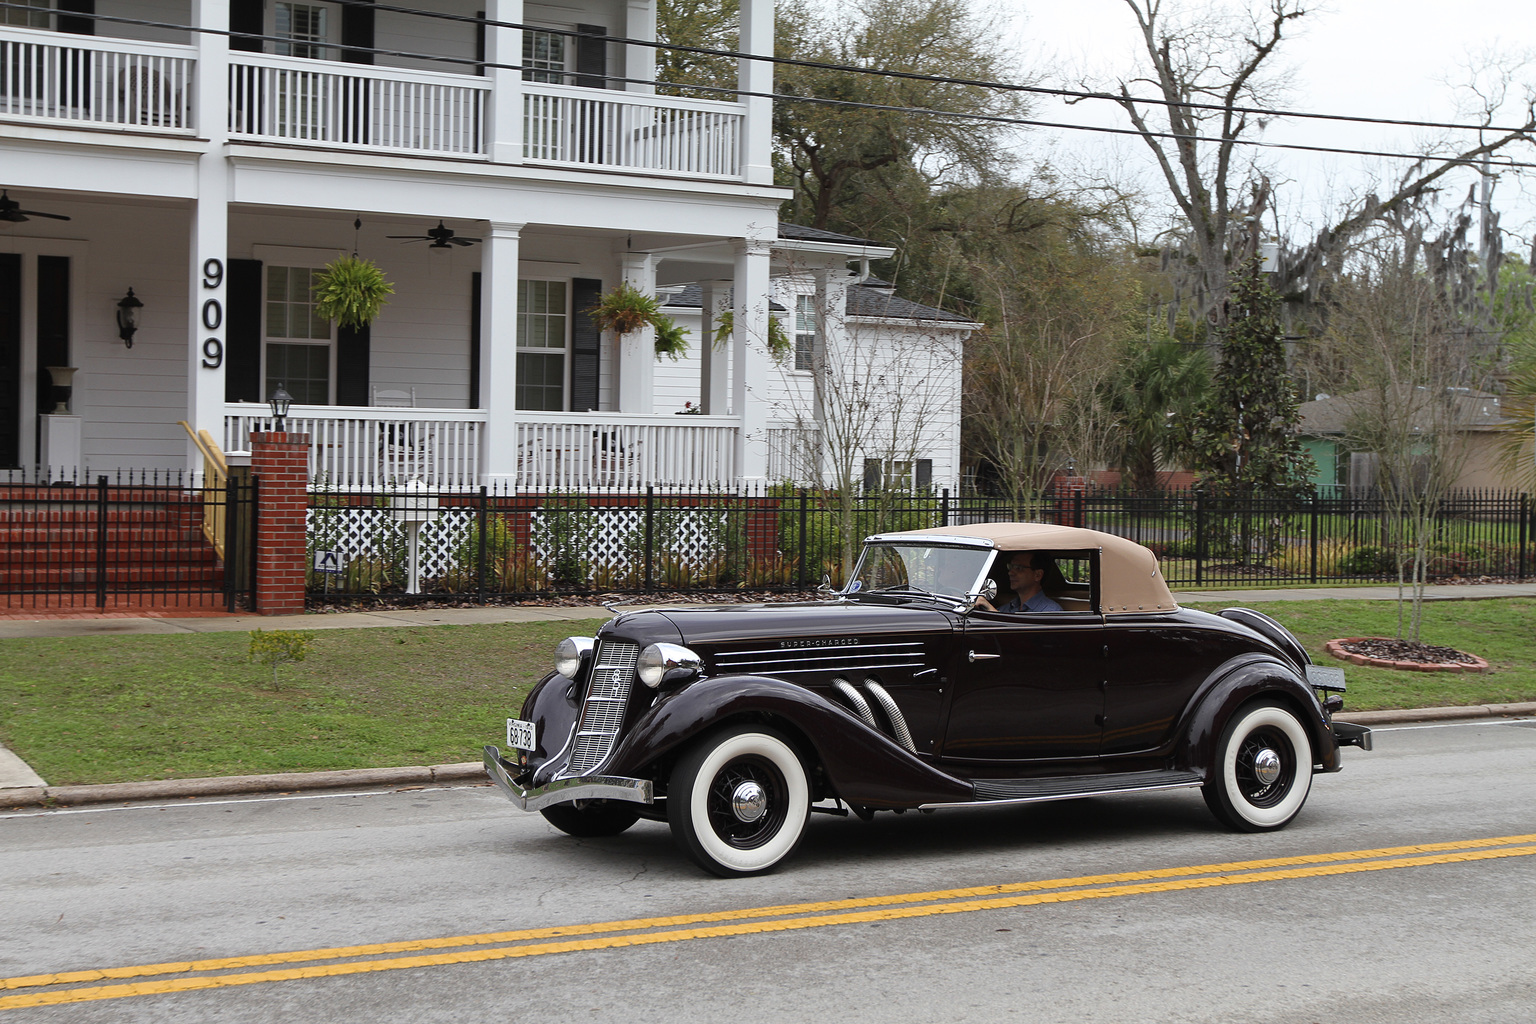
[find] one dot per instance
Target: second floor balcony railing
(49, 78)
(64, 80)
(323, 103)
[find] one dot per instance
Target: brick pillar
(281, 462)
(1068, 492)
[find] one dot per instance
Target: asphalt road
(1115, 909)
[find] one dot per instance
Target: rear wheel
(1263, 769)
(595, 818)
(738, 800)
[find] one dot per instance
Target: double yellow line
(50, 989)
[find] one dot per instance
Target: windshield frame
(853, 590)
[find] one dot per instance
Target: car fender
(553, 707)
(1234, 684)
(863, 766)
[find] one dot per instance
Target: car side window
(1065, 579)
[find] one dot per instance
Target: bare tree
(871, 403)
(1418, 365)
(1207, 70)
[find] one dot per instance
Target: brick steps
(153, 539)
(177, 551)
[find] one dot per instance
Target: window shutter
(474, 340)
(77, 26)
(352, 365)
(357, 31)
(10, 360)
(245, 16)
(591, 56)
(242, 334)
(872, 476)
(586, 341)
(52, 329)
(924, 474)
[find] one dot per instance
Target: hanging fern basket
(351, 291)
(624, 309)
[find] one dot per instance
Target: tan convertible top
(1129, 579)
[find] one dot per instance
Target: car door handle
(973, 656)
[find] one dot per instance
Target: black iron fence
(488, 545)
(126, 542)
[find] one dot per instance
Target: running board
(994, 792)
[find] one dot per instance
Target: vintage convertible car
(905, 690)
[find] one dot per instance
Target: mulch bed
(594, 601)
(1409, 655)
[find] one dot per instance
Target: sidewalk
(491, 614)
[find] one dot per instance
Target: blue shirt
(1039, 603)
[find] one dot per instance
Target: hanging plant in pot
(779, 345)
(351, 291)
(625, 308)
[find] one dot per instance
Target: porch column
(751, 361)
(637, 349)
(714, 364)
(498, 352)
(640, 61)
(504, 118)
(757, 76)
(829, 351)
(208, 265)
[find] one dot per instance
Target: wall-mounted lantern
(128, 317)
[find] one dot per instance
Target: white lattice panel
(373, 533)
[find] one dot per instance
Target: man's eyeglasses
(1019, 566)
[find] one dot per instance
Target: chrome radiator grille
(602, 712)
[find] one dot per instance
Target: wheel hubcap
(1266, 766)
(749, 802)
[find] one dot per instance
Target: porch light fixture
(128, 317)
(280, 401)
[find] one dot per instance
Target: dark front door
(10, 360)
(1026, 687)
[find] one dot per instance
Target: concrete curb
(235, 785)
(474, 771)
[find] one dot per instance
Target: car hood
(822, 620)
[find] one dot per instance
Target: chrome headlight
(571, 652)
(667, 663)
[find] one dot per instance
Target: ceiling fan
(10, 210)
(440, 237)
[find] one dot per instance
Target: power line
(812, 65)
(945, 79)
(1502, 163)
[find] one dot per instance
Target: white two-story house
(205, 157)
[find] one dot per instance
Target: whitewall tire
(738, 800)
(1262, 771)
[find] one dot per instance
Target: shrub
(1368, 560)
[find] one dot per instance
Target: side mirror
(988, 590)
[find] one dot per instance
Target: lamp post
(128, 317)
(280, 401)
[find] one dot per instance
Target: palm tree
(1153, 397)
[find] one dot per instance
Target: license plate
(520, 734)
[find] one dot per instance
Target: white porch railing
(365, 448)
(326, 103)
(107, 83)
(631, 131)
(610, 449)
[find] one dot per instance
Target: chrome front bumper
(563, 791)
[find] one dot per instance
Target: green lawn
(1502, 631)
(113, 709)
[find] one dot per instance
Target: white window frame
(329, 342)
(809, 302)
(568, 55)
(39, 15)
(330, 47)
(565, 351)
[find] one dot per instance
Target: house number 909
(213, 314)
